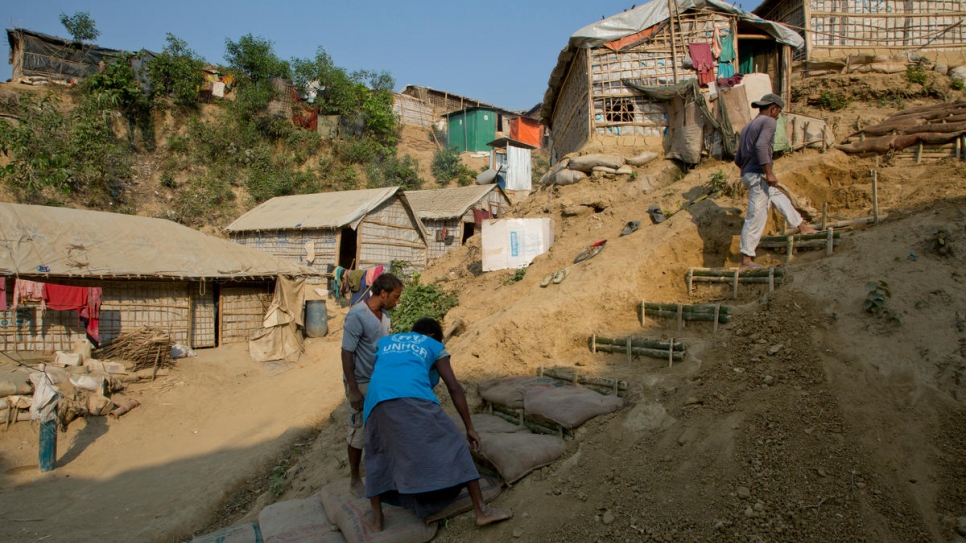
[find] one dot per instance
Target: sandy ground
(159, 472)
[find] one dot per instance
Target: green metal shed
(470, 129)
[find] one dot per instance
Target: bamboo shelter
(846, 30)
(587, 98)
(147, 272)
(354, 229)
(453, 215)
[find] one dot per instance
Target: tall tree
(81, 26)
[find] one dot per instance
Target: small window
(619, 110)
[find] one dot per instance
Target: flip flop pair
(555, 278)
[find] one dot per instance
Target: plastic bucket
(316, 318)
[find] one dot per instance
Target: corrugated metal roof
(321, 210)
(43, 242)
(449, 202)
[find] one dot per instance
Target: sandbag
(569, 406)
(346, 511)
(604, 169)
(889, 126)
(641, 159)
(958, 72)
(548, 178)
(587, 163)
(489, 489)
(11, 388)
(509, 391)
(297, 521)
(936, 128)
(879, 145)
(624, 170)
(98, 405)
(68, 359)
(516, 454)
(686, 144)
(569, 177)
(94, 365)
(489, 424)
(241, 533)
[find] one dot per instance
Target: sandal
(546, 280)
(560, 276)
(630, 227)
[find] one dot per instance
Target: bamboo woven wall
(290, 245)
(791, 13)
(389, 233)
(242, 311)
(125, 306)
(437, 246)
(652, 64)
(412, 110)
(571, 114)
(203, 325)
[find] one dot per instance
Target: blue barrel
(316, 318)
(48, 445)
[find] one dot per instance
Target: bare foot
(370, 520)
(491, 515)
(805, 228)
(357, 488)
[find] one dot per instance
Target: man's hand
(474, 440)
(771, 179)
(356, 399)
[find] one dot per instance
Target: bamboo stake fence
(683, 312)
(734, 276)
(609, 386)
(672, 351)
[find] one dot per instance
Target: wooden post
(643, 311)
(919, 153)
(671, 4)
(690, 281)
(593, 342)
(735, 287)
(824, 215)
(791, 247)
(630, 351)
(830, 243)
(771, 279)
(717, 309)
(670, 353)
(875, 194)
(680, 317)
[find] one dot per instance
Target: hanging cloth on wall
(28, 291)
(3, 293)
(726, 64)
(703, 62)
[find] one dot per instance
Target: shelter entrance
(469, 229)
(348, 240)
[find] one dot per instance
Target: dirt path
(160, 471)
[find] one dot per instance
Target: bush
(176, 72)
(833, 101)
(204, 200)
(81, 26)
(255, 58)
(391, 171)
(447, 166)
(956, 84)
(915, 74)
(419, 301)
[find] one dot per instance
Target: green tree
(256, 58)
(446, 166)
(80, 26)
(176, 72)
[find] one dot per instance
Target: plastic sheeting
(280, 338)
(34, 53)
(526, 130)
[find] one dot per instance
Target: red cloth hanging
(703, 61)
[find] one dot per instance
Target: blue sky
(499, 51)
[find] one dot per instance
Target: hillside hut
(469, 130)
(838, 30)
(36, 54)
(452, 215)
(587, 97)
(202, 290)
(355, 229)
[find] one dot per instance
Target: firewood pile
(145, 347)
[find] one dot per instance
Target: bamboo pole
(745, 280)
(674, 39)
(727, 272)
(799, 244)
(651, 353)
(790, 247)
(581, 379)
(800, 237)
(645, 343)
(725, 310)
(824, 216)
(875, 197)
(830, 244)
(705, 317)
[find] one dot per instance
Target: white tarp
(280, 337)
(514, 243)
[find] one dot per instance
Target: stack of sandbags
(346, 511)
(510, 391)
(573, 169)
(569, 407)
(298, 521)
(240, 533)
(515, 454)
(931, 125)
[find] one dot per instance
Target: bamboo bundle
(676, 356)
(518, 417)
(725, 279)
(609, 386)
(729, 272)
(798, 244)
(146, 347)
(801, 237)
(645, 343)
(708, 309)
(706, 317)
(769, 276)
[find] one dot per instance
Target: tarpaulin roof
(642, 17)
(41, 241)
(43, 54)
(321, 210)
(449, 202)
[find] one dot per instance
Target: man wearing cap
(754, 157)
